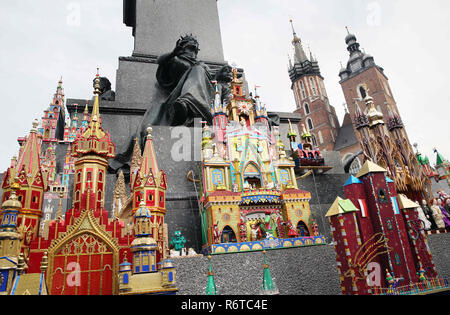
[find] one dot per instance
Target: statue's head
(189, 42)
(225, 74)
(105, 84)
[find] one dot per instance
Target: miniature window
(100, 176)
(389, 225)
(382, 196)
(397, 259)
(150, 197)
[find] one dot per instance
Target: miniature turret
(211, 288)
(268, 286)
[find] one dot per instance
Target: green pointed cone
(268, 285)
(440, 159)
(211, 288)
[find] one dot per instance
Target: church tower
(92, 149)
(311, 97)
(377, 122)
(53, 122)
(363, 77)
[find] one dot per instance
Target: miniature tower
(311, 97)
(347, 239)
(388, 150)
(32, 180)
(417, 237)
(10, 241)
(443, 167)
(92, 149)
(53, 122)
(144, 247)
(150, 185)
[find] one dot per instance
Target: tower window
(314, 140)
(320, 137)
(362, 92)
(307, 110)
(333, 125)
(302, 87)
(313, 86)
(310, 124)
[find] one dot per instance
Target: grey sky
(43, 40)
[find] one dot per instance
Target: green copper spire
(268, 286)
(440, 159)
(211, 288)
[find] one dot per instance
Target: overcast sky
(46, 39)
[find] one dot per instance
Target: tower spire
(300, 55)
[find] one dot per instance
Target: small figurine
(216, 234)
(391, 280)
(423, 218)
(292, 232)
(315, 228)
(438, 215)
(422, 275)
(178, 241)
(243, 232)
(446, 216)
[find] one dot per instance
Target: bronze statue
(189, 82)
(107, 94)
(191, 88)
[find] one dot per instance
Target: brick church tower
(311, 98)
(363, 77)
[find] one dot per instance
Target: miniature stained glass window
(397, 259)
(125, 279)
(382, 196)
(389, 225)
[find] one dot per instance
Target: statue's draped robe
(190, 83)
(191, 86)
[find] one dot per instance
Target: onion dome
(125, 266)
(13, 203)
(143, 211)
(350, 39)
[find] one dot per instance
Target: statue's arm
(163, 59)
